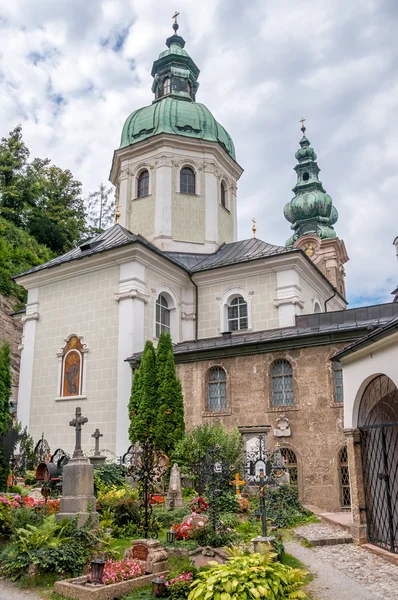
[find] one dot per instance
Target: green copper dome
(172, 115)
(311, 210)
(174, 110)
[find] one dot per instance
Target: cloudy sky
(71, 71)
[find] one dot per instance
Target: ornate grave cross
(97, 435)
(77, 422)
(237, 482)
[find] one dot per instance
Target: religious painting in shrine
(72, 367)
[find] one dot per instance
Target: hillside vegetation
(42, 212)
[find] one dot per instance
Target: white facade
(170, 219)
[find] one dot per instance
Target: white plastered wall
(361, 367)
(84, 305)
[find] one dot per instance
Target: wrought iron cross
(176, 14)
(97, 435)
(77, 422)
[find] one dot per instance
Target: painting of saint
(71, 384)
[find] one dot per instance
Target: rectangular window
(217, 400)
(338, 382)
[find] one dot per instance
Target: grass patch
(143, 594)
(120, 545)
(291, 561)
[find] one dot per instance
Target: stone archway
(378, 426)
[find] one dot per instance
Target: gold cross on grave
(176, 14)
(237, 482)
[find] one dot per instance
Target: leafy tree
(57, 218)
(15, 189)
(169, 426)
(197, 442)
(5, 394)
(143, 402)
(18, 252)
(101, 209)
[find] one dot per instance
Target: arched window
(143, 184)
(189, 88)
(237, 314)
(216, 390)
(166, 86)
(162, 315)
(282, 383)
(223, 193)
(71, 373)
(291, 464)
(187, 181)
(345, 492)
(317, 308)
(338, 382)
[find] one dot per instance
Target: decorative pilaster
(358, 529)
(29, 321)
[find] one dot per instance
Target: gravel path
(8, 591)
(347, 572)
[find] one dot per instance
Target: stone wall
(11, 332)
(316, 420)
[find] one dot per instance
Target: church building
(254, 324)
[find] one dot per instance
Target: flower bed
(122, 570)
(79, 590)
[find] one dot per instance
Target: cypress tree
(143, 401)
(169, 428)
(5, 418)
(162, 351)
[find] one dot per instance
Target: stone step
(320, 534)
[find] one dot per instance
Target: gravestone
(174, 495)
(78, 481)
(151, 552)
(97, 458)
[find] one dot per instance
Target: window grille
(338, 382)
(291, 464)
(143, 184)
(344, 479)
(282, 383)
(237, 314)
(162, 315)
(187, 181)
(223, 196)
(216, 390)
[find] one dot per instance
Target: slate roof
(114, 237)
(350, 322)
(238, 252)
(379, 333)
(117, 236)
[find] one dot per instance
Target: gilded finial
(117, 214)
(303, 128)
(175, 24)
(254, 228)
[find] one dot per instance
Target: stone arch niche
(378, 426)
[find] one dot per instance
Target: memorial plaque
(140, 552)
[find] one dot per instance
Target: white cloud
(263, 66)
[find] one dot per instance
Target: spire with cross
(77, 422)
(175, 24)
(303, 128)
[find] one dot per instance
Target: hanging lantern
(158, 587)
(97, 570)
(171, 536)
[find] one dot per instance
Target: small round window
(306, 176)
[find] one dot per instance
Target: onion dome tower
(175, 171)
(313, 217)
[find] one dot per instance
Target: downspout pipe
(196, 307)
(328, 300)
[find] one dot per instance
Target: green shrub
(283, 507)
(25, 516)
(167, 518)
(126, 511)
(222, 536)
(52, 547)
(109, 475)
(226, 502)
(247, 577)
(230, 520)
